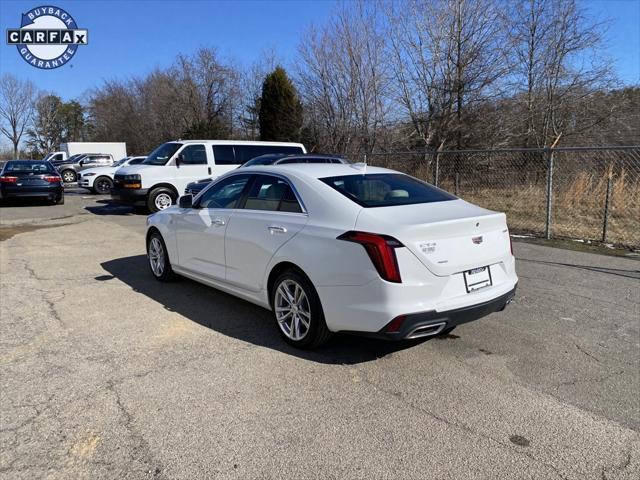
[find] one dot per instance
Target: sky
(131, 38)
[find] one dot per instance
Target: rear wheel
(60, 199)
(161, 198)
(297, 311)
(102, 185)
(159, 258)
(68, 176)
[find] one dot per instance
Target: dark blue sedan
(31, 179)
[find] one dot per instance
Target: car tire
(305, 306)
(68, 176)
(60, 200)
(158, 258)
(161, 198)
(102, 185)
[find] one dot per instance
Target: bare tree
(16, 108)
(557, 62)
(251, 80)
(343, 80)
(447, 59)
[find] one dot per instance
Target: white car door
(192, 164)
(270, 216)
(200, 231)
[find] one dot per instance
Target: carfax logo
(48, 37)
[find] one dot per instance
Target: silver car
(69, 170)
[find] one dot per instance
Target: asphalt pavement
(106, 373)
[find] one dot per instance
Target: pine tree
(280, 109)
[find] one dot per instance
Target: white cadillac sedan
(339, 248)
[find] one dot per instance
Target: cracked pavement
(106, 373)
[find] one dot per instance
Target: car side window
(272, 194)
(225, 193)
(224, 155)
(136, 161)
(194, 155)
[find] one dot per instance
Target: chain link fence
(581, 193)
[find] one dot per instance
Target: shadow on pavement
(106, 207)
(239, 319)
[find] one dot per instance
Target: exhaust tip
(426, 330)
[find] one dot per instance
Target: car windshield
(386, 189)
(162, 154)
(28, 167)
(267, 159)
(120, 162)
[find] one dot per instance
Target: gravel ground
(106, 373)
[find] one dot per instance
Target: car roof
(317, 170)
(237, 142)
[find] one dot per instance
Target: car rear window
(386, 189)
(28, 167)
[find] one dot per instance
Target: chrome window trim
(277, 175)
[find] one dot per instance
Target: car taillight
(381, 250)
(8, 179)
(52, 178)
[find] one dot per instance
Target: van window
(162, 154)
(244, 153)
(194, 155)
(224, 155)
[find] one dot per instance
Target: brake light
(381, 251)
(52, 178)
(8, 179)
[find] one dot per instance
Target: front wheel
(159, 258)
(102, 185)
(160, 198)
(297, 311)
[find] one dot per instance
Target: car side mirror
(186, 201)
(179, 159)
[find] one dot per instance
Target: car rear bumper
(52, 192)
(127, 196)
(425, 324)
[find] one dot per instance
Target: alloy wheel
(68, 176)
(156, 256)
(103, 186)
(292, 310)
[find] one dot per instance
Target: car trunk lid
(447, 237)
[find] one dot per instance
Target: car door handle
(218, 222)
(273, 229)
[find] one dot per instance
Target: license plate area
(477, 278)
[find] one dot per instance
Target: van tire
(161, 196)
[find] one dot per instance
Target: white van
(160, 180)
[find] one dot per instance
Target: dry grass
(577, 209)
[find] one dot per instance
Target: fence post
(607, 201)
(547, 229)
(457, 184)
(436, 177)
